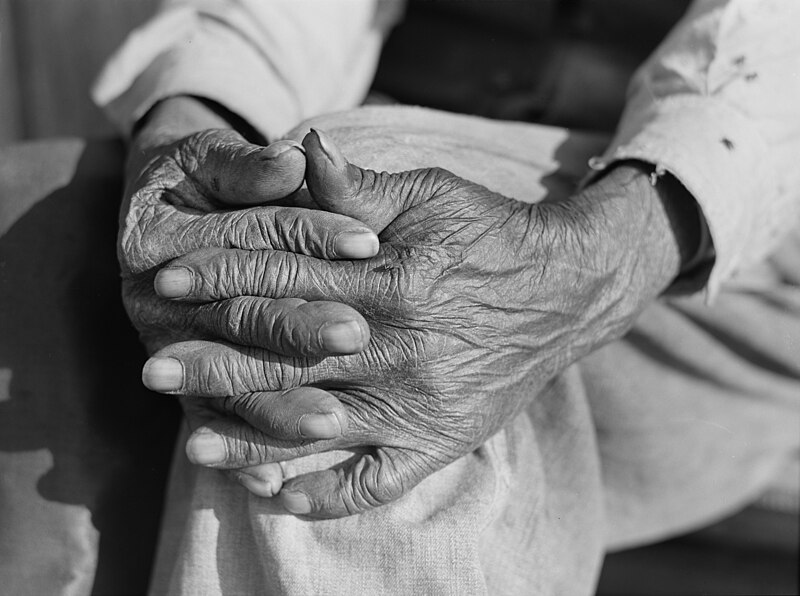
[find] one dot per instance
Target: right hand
(475, 301)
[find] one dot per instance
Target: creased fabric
(716, 106)
(272, 62)
(681, 423)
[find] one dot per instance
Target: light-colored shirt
(717, 105)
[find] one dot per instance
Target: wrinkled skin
(474, 302)
(181, 201)
(198, 192)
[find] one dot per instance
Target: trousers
(683, 421)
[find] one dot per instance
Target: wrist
(174, 118)
(649, 224)
(168, 121)
(178, 117)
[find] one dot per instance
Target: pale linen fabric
(681, 423)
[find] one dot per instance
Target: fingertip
(173, 282)
(295, 502)
(311, 141)
(206, 448)
(261, 177)
(263, 481)
(258, 487)
(320, 426)
(278, 148)
(163, 374)
(317, 139)
(342, 338)
(356, 244)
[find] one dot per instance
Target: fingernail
(356, 245)
(173, 282)
(296, 503)
(257, 486)
(206, 448)
(330, 150)
(281, 147)
(319, 426)
(163, 374)
(341, 338)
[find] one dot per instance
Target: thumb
(374, 198)
(357, 485)
(235, 172)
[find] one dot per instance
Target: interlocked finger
(357, 485)
(156, 232)
(376, 198)
(264, 480)
(235, 172)
(228, 443)
(218, 369)
(294, 415)
(217, 274)
(289, 326)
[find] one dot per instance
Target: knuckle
(214, 378)
(227, 374)
(361, 181)
(277, 373)
(221, 276)
(195, 148)
(265, 323)
(235, 319)
(278, 273)
(372, 483)
(399, 288)
(207, 151)
(436, 179)
(138, 251)
(247, 448)
(254, 229)
(294, 232)
(292, 335)
(245, 406)
(411, 279)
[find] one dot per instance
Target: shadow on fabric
(84, 448)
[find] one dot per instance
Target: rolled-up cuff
(718, 156)
(182, 53)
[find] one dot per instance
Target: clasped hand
(416, 353)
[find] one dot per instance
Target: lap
(675, 428)
(714, 387)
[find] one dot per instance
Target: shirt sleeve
(717, 106)
(274, 63)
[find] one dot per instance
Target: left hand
(193, 183)
(475, 301)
